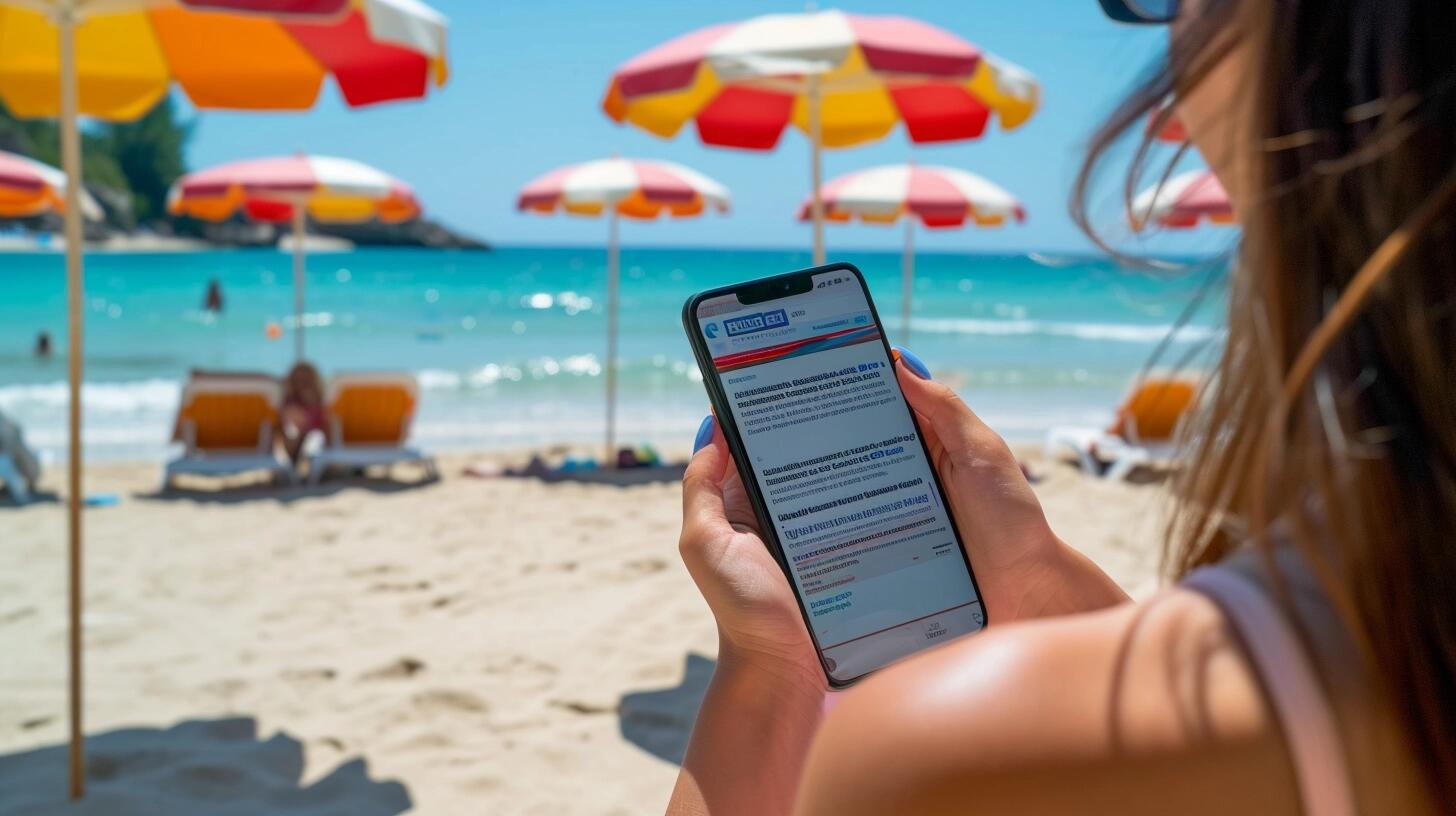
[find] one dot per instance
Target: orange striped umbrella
(114, 59)
(234, 54)
(841, 79)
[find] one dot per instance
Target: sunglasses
(1141, 12)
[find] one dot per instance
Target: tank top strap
(1299, 702)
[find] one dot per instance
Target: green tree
(138, 159)
(40, 139)
(149, 155)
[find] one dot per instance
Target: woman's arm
(765, 701)
(749, 743)
(1139, 709)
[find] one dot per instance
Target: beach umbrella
(290, 189)
(621, 188)
(1182, 202)
(841, 79)
(29, 188)
(939, 197)
(115, 59)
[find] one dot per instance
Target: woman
(303, 408)
(1305, 662)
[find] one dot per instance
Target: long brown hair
(1332, 411)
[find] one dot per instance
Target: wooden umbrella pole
(613, 285)
(75, 301)
(298, 272)
(816, 138)
(907, 275)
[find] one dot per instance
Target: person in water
(43, 345)
(303, 408)
(1305, 659)
(212, 301)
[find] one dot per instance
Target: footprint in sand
(582, 708)
(309, 675)
(452, 701)
(17, 614)
(400, 586)
(376, 569)
(643, 566)
(399, 669)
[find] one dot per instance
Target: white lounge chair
(19, 466)
(1143, 434)
(226, 425)
(369, 416)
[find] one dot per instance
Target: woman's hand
(1023, 569)
(759, 624)
(764, 705)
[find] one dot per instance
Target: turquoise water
(508, 344)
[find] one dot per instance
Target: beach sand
(490, 645)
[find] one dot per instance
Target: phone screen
(841, 471)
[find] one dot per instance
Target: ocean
(508, 345)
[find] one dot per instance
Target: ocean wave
(1114, 332)
(106, 397)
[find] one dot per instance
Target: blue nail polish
(705, 434)
(913, 363)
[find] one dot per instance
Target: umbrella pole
(907, 279)
(816, 139)
(613, 284)
(75, 301)
(298, 271)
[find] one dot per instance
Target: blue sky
(528, 77)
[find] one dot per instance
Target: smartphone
(803, 384)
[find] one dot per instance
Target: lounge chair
(369, 416)
(19, 467)
(1143, 433)
(226, 425)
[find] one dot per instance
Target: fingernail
(705, 434)
(913, 363)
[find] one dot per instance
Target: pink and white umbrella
(617, 188)
(29, 188)
(624, 187)
(290, 189)
(1182, 202)
(940, 197)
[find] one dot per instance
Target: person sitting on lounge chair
(303, 408)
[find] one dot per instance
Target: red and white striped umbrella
(1183, 201)
(628, 187)
(617, 188)
(28, 188)
(841, 79)
(940, 197)
(286, 188)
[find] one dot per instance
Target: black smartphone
(803, 384)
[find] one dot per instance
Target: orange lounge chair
(226, 425)
(1143, 433)
(369, 416)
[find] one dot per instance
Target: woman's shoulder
(1149, 707)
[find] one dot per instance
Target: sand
(463, 646)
